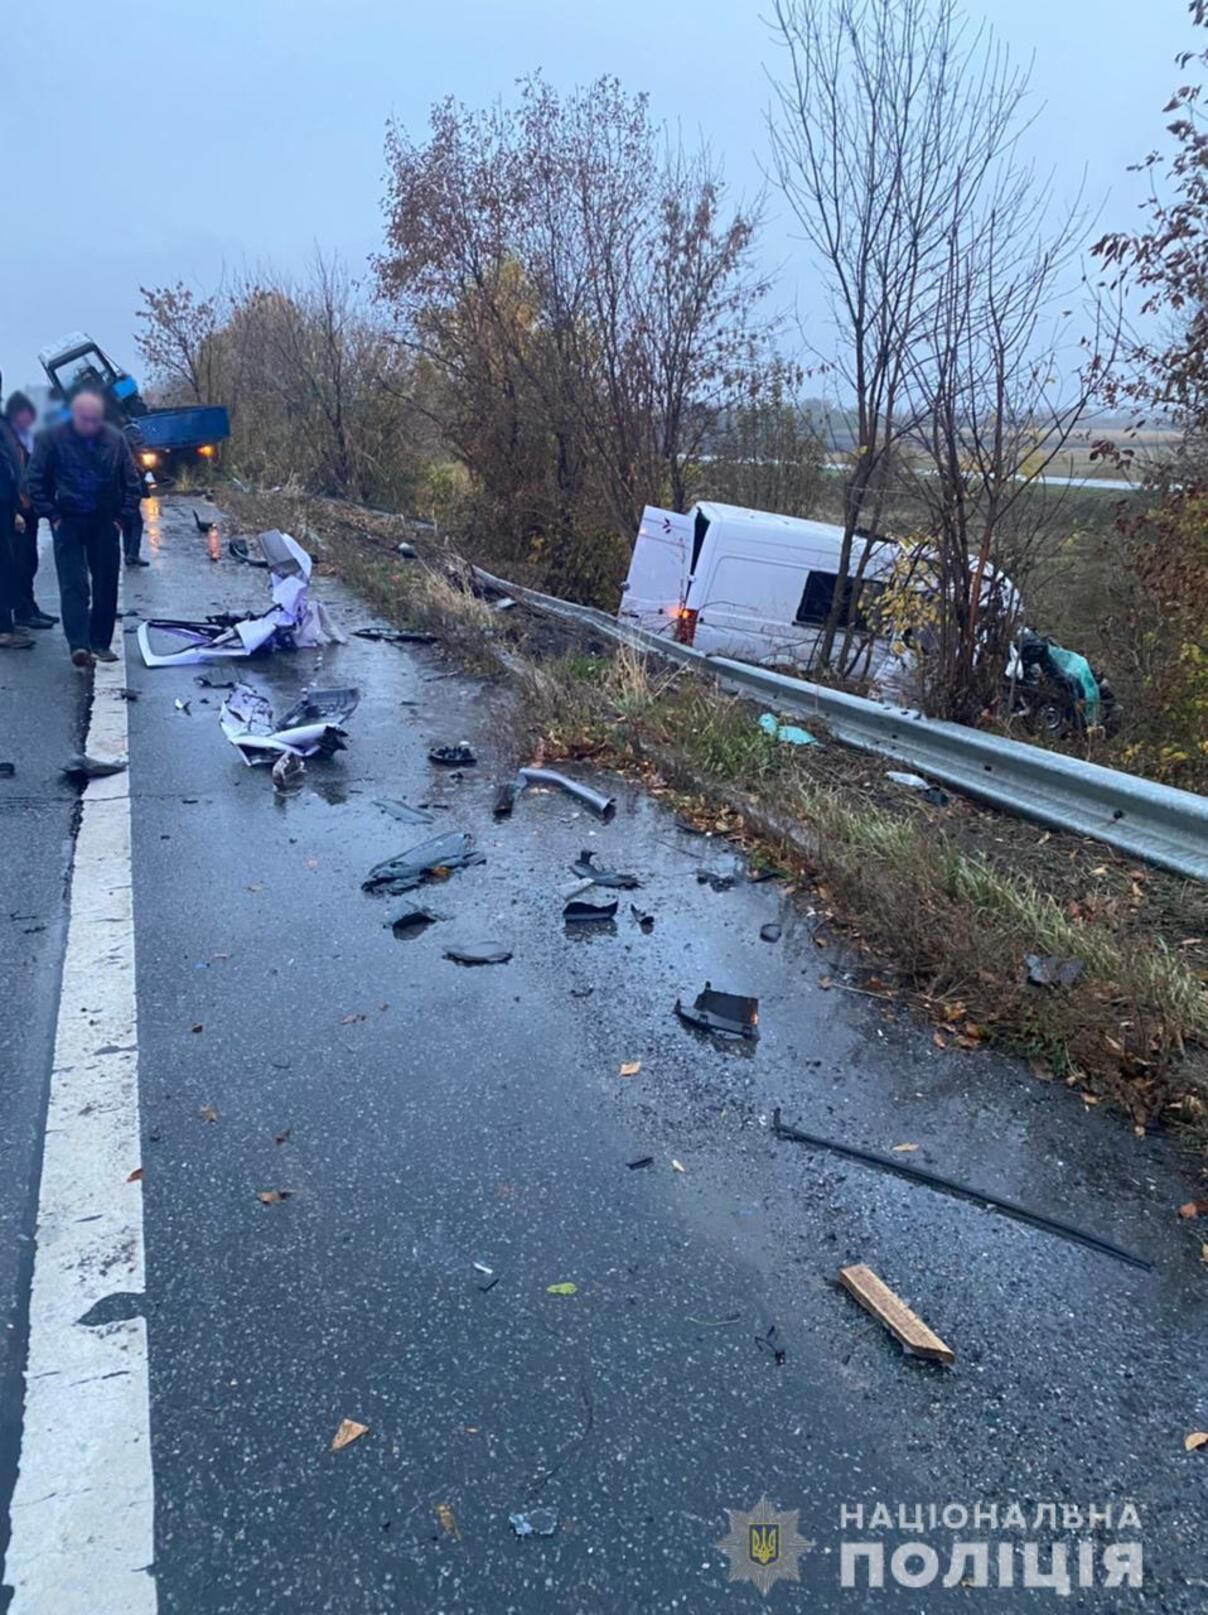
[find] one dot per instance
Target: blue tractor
(164, 440)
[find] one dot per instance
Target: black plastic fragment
(486, 952)
(586, 866)
(407, 870)
(643, 1160)
(645, 921)
(7, 770)
(962, 1191)
(404, 811)
(412, 922)
(395, 636)
(459, 756)
(578, 911)
(505, 799)
(730, 1013)
(769, 932)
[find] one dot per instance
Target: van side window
(819, 591)
(816, 597)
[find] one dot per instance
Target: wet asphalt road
(436, 1116)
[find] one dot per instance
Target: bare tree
(887, 123)
(997, 380)
(176, 335)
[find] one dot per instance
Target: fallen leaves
(273, 1197)
(1197, 1440)
(564, 1288)
(446, 1520)
(350, 1020)
(1193, 1208)
(136, 1176)
(282, 1138)
(208, 1113)
(904, 1149)
(348, 1432)
(630, 1068)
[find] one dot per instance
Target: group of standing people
(79, 475)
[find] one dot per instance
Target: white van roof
(786, 527)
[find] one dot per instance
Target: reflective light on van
(685, 625)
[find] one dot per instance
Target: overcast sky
(145, 144)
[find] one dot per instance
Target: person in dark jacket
(11, 637)
(20, 414)
(84, 481)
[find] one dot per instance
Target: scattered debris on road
(962, 1191)
(537, 1522)
(273, 1197)
(769, 933)
(83, 767)
(1197, 1441)
(580, 912)
(730, 1013)
(313, 726)
(459, 756)
(289, 772)
(430, 859)
(875, 1296)
(586, 866)
(644, 920)
(564, 1288)
(395, 636)
(412, 922)
(292, 621)
(605, 806)
(348, 1432)
(485, 952)
(404, 811)
(642, 1161)
(505, 799)
(445, 1519)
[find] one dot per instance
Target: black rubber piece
(964, 1191)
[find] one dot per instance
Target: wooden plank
(876, 1297)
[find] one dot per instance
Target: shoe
(37, 619)
(19, 639)
(81, 658)
(136, 560)
(105, 655)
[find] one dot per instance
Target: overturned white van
(744, 583)
(758, 587)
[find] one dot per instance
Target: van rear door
(657, 584)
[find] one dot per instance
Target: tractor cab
(77, 363)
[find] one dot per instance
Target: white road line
(82, 1512)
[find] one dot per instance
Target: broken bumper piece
(312, 727)
(729, 1013)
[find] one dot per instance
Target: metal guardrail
(1157, 823)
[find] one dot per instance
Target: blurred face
(23, 420)
(87, 414)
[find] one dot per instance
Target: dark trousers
(8, 569)
(132, 534)
(87, 557)
(25, 559)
